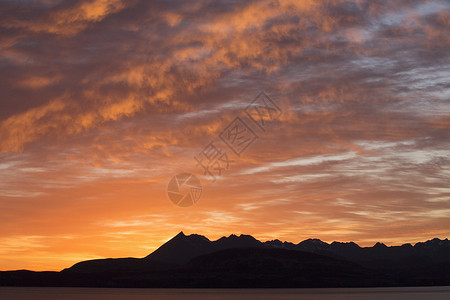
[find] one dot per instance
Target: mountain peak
(247, 237)
(191, 237)
(345, 243)
(380, 245)
(181, 248)
(198, 237)
(315, 241)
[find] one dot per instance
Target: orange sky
(102, 102)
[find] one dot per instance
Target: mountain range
(243, 261)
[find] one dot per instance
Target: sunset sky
(103, 102)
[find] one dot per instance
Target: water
(18, 293)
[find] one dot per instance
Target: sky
(103, 102)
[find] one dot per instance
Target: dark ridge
(243, 261)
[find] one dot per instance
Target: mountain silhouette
(181, 248)
(243, 261)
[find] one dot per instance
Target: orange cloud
(71, 20)
(26, 127)
(39, 82)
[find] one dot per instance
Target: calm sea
(19, 293)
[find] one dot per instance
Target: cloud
(259, 35)
(19, 129)
(66, 20)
